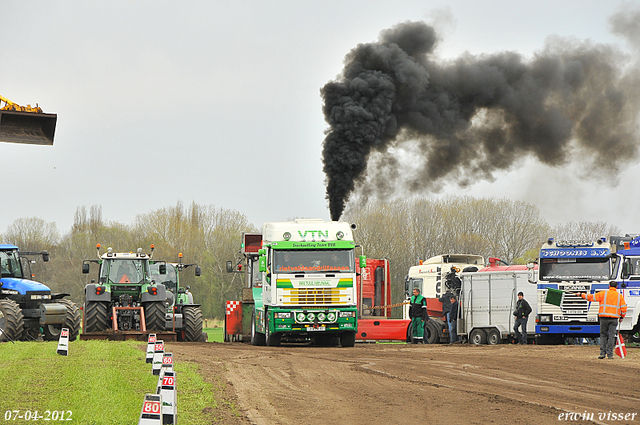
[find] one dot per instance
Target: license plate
(319, 328)
(573, 312)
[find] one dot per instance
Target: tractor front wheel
(96, 318)
(72, 322)
(11, 321)
(154, 316)
(192, 322)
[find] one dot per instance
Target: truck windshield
(561, 269)
(169, 279)
(10, 264)
(123, 271)
(314, 261)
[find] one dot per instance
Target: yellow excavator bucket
(20, 124)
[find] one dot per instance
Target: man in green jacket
(418, 315)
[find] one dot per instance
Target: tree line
(404, 232)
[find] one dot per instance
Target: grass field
(215, 334)
(100, 382)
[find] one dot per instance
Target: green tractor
(182, 315)
(125, 298)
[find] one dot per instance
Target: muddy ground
(407, 384)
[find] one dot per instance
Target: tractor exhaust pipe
(27, 127)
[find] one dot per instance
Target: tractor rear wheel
(192, 323)
(96, 318)
(154, 316)
(11, 321)
(72, 322)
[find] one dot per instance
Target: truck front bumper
(305, 321)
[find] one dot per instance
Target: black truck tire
(272, 340)
(11, 321)
(192, 323)
(478, 337)
(154, 316)
(432, 330)
(96, 317)
(72, 322)
(348, 339)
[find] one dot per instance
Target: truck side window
(631, 269)
(636, 266)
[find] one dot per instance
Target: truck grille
(315, 296)
(574, 307)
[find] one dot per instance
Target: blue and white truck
(572, 266)
(626, 272)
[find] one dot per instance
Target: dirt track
(405, 384)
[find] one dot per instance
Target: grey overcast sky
(219, 102)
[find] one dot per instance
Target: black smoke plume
(475, 115)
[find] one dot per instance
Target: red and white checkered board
(231, 305)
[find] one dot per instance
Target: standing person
(453, 320)
(522, 312)
(418, 314)
(446, 307)
(613, 308)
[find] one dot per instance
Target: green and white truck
(302, 281)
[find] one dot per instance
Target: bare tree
(585, 230)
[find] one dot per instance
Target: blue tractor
(28, 309)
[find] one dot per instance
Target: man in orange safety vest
(613, 308)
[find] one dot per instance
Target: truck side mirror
(626, 270)
(531, 276)
(363, 261)
(45, 256)
(198, 271)
(85, 268)
(229, 267)
(262, 263)
(162, 269)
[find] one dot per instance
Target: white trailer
(487, 301)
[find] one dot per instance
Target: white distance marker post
(150, 343)
(158, 353)
(63, 342)
(167, 362)
(167, 389)
(151, 413)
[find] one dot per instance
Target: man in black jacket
(453, 320)
(522, 312)
(446, 307)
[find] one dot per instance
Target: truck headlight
(331, 317)
(282, 315)
(300, 317)
(322, 317)
(311, 317)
